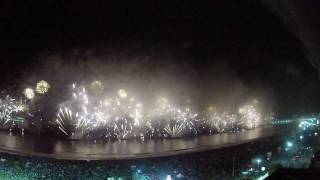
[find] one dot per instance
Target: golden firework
(96, 86)
(42, 87)
(122, 93)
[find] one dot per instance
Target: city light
(245, 172)
(258, 161)
(263, 177)
(289, 144)
(301, 137)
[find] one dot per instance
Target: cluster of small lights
(293, 146)
(12, 112)
(249, 116)
(306, 123)
(122, 116)
(287, 121)
(221, 122)
(119, 114)
(116, 115)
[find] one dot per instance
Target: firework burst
(29, 93)
(12, 112)
(122, 93)
(122, 116)
(118, 116)
(166, 116)
(174, 130)
(73, 118)
(42, 87)
(220, 122)
(249, 116)
(122, 128)
(70, 123)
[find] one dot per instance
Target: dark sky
(257, 45)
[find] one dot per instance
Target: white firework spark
(249, 116)
(220, 122)
(165, 114)
(11, 111)
(122, 116)
(175, 130)
(122, 128)
(29, 93)
(70, 123)
(73, 116)
(187, 118)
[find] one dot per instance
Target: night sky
(257, 46)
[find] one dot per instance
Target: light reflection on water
(32, 145)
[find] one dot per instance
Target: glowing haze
(121, 96)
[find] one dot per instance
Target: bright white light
(258, 161)
(29, 93)
(122, 93)
(301, 137)
(263, 177)
(168, 177)
(289, 144)
(263, 168)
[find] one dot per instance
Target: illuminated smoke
(122, 116)
(96, 87)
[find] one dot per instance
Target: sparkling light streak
(12, 112)
(175, 130)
